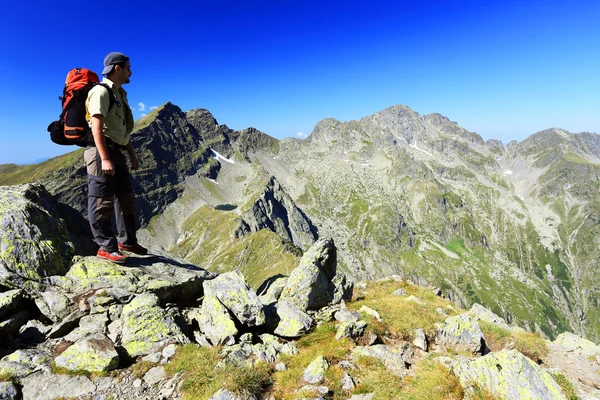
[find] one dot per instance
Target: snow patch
(220, 157)
(414, 146)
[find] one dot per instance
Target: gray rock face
(34, 242)
(293, 322)
(147, 327)
(13, 323)
(420, 340)
(95, 353)
(508, 375)
(276, 211)
(42, 386)
(234, 293)
(461, 333)
(315, 372)
(25, 362)
(346, 316)
(309, 286)
(394, 359)
(53, 305)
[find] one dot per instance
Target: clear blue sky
(502, 69)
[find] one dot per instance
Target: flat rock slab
(461, 333)
(95, 353)
(41, 386)
(394, 359)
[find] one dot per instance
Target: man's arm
(100, 141)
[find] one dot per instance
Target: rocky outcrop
(461, 333)
(34, 242)
(276, 211)
(509, 375)
(313, 284)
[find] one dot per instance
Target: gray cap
(113, 59)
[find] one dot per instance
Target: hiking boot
(115, 256)
(133, 248)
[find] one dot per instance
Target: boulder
(310, 286)
(293, 322)
(461, 333)
(480, 313)
(25, 362)
(508, 374)
(573, 342)
(95, 353)
(169, 279)
(395, 360)
(346, 316)
(89, 325)
(420, 341)
(9, 301)
(233, 292)
(270, 290)
(216, 323)
(225, 394)
(34, 242)
(315, 372)
(147, 327)
(53, 305)
(371, 312)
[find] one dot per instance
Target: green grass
(566, 386)
(202, 376)
(15, 175)
(531, 345)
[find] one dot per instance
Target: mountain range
(513, 227)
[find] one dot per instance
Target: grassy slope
(11, 174)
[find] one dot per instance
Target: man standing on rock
(110, 188)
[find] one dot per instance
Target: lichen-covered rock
(169, 279)
(395, 359)
(53, 305)
(342, 288)
(147, 327)
(480, 313)
(509, 375)
(315, 372)
(270, 290)
(34, 242)
(216, 323)
(461, 333)
(350, 330)
(293, 322)
(573, 342)
(89, 325)
(309, 286)
(233, 292)
(9, 301)
(24, 362)
(95, 353)
(371, 312)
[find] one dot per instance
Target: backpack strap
(111, 95)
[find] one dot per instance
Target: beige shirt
(118, 121)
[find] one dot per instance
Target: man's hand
(135, 161)
(107, 167)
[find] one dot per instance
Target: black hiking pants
(108, 197)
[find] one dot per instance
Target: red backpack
(72, 127)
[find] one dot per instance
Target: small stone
(351, 330)
(246, 338)
(348, 382)
(399, 292)
(415, 299)
(420, 340)
(345, 364)
(137, 383)
(152, 358)
(347, 316)
(168, 352)
(155, 375)
(280, 366)
(441, 311)
(371, 312)
(315, 371)
(368, 396)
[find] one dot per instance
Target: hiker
(110, 187)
